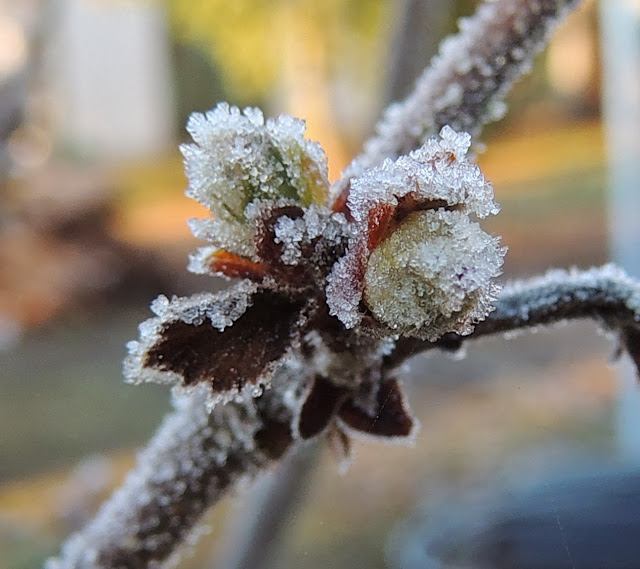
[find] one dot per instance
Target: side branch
(255, 536)
(465, 85)
(605, 294)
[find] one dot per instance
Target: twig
(192, 461)
(604, 294)
(199, 454)
(197, 457)
(465, 85)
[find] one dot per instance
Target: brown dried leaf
(390, 418)
(227, 360)
(320, 407)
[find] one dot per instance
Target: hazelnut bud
(432, 275)
(238, 159)
(416, 261)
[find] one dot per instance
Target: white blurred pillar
(110, 77)
(620, 40)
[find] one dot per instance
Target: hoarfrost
(317, 222)
(221, 310)
(237, 158)
(465, 84)
(415, 260)
(234, 237)
(290, 233)
(174, 464)
(427, 286)
(200, 260)
(598, 287)
(438, 178)
(436, 171)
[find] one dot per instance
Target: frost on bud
(433, 274)
(417, 262)
(238, 158)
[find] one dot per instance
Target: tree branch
(199, 454)
(193, 460)
(465, 85)
(605, 294)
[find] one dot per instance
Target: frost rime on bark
(194, 458)
(603, 294)
(465, 84)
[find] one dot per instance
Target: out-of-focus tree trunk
(620, 41)
(421, 24)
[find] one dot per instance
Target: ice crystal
(433, 275)
(171, 468)
(232, 342)
(238, 158)
(220, 311)
(415, 259)
(598, 287)
(438, 170)
(317, 225)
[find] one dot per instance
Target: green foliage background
(240, 38)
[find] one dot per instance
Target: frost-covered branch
(466, 83)
(194, 459)
(605, 294)
(197, 457)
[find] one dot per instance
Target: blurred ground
(550, 394)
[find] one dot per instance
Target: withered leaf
(631, 341)
(227, 360)
(319, 407)
(390, 418)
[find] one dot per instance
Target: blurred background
(94, 95)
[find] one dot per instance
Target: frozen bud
(433, 275)
(238, 158)
(416, 260)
